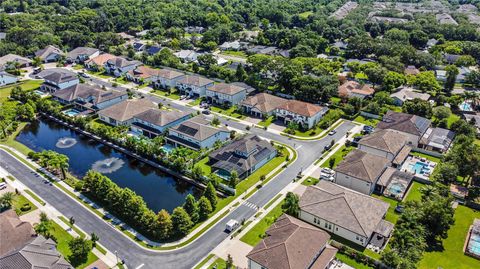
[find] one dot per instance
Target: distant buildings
(344, 10)
(9, 60)
(82, 54)
(89, 98)
(352, 88)
(6, 78)
(445, 18)
(406, 94)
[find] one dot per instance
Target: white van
(3, 185)
(231, 225)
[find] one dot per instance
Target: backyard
(366, 121)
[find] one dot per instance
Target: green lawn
(207, 169)
(11, 142)
(19, 201)
(195, 102)
(308, 133)
(204, 261)
(255, 234)
(452, 255)
(62, 238)
(391, 216)
(477, 141)
(361, 76)
(173, 95)
(414, 193)
(219, 263)
(75, 228)
(25, 85)
(35, 197)
(99, 74)
(428, 157)
(310, 181)
(305, 14)
(363, 120)
(335, 100)
(349, 261)
(266, 122)
(121, 80)
(240, 54)
(338, 156)
(229, 112)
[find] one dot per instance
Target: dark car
(206, 112)
(399, 208)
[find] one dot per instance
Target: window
(326, 225)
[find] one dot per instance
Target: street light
(116, 255)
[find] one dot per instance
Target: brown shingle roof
(160, 117)
(362, 165)
(386, 140)
(120, 62)
(291, 244)
(14, 58)
(403, 122)
(85, 91)
(225, 88)
(351, 86)
(144, 72)
(264, 102)
(169, 74)
(14, 233)
(411, 70)
(127, 109)
(349, 209)
(101, 59)
(197, 81)
(301, 108)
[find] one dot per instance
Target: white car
(332, 132)
(231, 225)
(327, 171)
(327, 177)
(3, 185)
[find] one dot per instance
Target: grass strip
(272, 201)
(75, 228)
(34, 196)
(204, 261)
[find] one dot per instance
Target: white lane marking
(298, 147)
(140, 266)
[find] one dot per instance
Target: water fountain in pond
(107, 166)
(66, 142)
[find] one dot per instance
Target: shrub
(26, 207)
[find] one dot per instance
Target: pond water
(160, 191)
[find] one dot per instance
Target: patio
(419, 167)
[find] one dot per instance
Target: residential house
(344, 10)
(451, 58)
(152, 50)
(153, 122)
(234, 45)
(258, 49)
(351, 215)
(352, 88)
(142, 74)
(57, 79)
(245, 156)
(39, 253)
(384, 143)
(474, 119)
(467, 8)
(98, 62)
(119, 66)
(10, 60)
(431, 42)
(388, 19)
(89, 98)
(436, 139)
(193, 85)
(248, 36)
(304, 114)
(360, 171)
(49, 54)
(187, 56)
(411, 70)
(15, 233)
(122, 113)
(139, 46)
(125, 36)
(262, 104)
(340, 45)
(226, 94)
(441, 74)
(6, 78)
(413, 126)
(197, 133)
(167, 78)
(194, 29)
(406, 94)
(3, 36)
(292, 244)
(445, 18)
(82, 54)
(394, 183)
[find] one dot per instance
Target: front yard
(256, 233)
(338, 156)
(229, 112)
(172, 95)
(22, 205)
(266, 122)
(366, 121)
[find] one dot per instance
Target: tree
(418, 107)
(446, 172)
(233, 179)
(6, 201)
(240, 73)
(191, 207)
(290, 205)
(331, 162)
(94, 238)
(204, 208)
(393, 80)
(211, 194)
(215, 121)
(165, 225)
(452, 73)
(181, 221)
(229, 262)
(441, 113)
(79, 248)
(426, 81)
(375, 75)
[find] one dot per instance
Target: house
(445, 18)
(89, 98)
(194, 29)
(142, 33)
(360, 171)
(351, 215)
(98, 62)
(384, 143)
(125, 36)
(436, 139)
(82, 54)
(3, 36)
(197, 133)
(411, 70)
(248, 36)
(473, 119)
(340, 45)
(142, 74)
(431, 42)
(467, 8)
(292, 244)
(262, 50)
(139, 46)
(6, 78)
(10, 60)
(119, 66)
(49, 54)
(14, 233)
(394, 183)
(39, 253)
(411, 125)
(245, 156)
(154, 122)
(187, 56)
(344, 10)
(122, 113)
(226, 94)
(302, 113)
(352, 88)
(234, 45)
(193, 85)
(262, 104)
(404, 94)
(451, 58)
(152, 50)
(167, 78)
(57, 79)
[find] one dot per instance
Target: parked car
(206, 112)
(36, 71)
(182, 97)
(3, 185)
(84, 75)
(231, 225)
(332, 132)
(327, 177)
(399, 208)
(328, 171)
(367, 129)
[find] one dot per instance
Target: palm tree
(290, 206)
(6, 200)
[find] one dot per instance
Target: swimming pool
(71, 112)
(396, 188)
(168, 148)
(474, 244)
(38, 92)
(418, 167)
(465, 106)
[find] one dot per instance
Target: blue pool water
(71, 112)
(417, 167)
(466, 106)
(396, 188)
(38, 92)
(474, 244)
(168, 148)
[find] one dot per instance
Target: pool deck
(412, 161)
(467, 242)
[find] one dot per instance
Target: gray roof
(58, 75)
(445, 18)
(349, 209)
(194, 80)
(362, 165)
(385, 140)
(40, 253)
(403, 122)
(438, 138)
(73, 54)
(45, 52)
(407, 93)
(160, 117)
(127, 109)
(169, 74)
(225, 88)
(120, 62)
(393, 174)
(241, 155)
(291, 243)
(197, 128)
(3, 35)
(86, 91)
(14, 58)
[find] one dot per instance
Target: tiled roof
(385, 140)
(362, 165)
(264, 102)
(127, 109)
(85, 91)
(404, 122)
(349, 209)
(58, 75)
(144, 72)
(291, 243)
(43, 53)
(120, 62)
(407, 93)
(73, 54)
(225, 88)
(160, 117)
(14, 233)
(169, 74)
(194, 80)
(351, 86)
(301, 108)
(197, 128)
(14, 58)
(101, 59)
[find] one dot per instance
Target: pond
(160, 191)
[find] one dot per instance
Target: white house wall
(354, 183)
